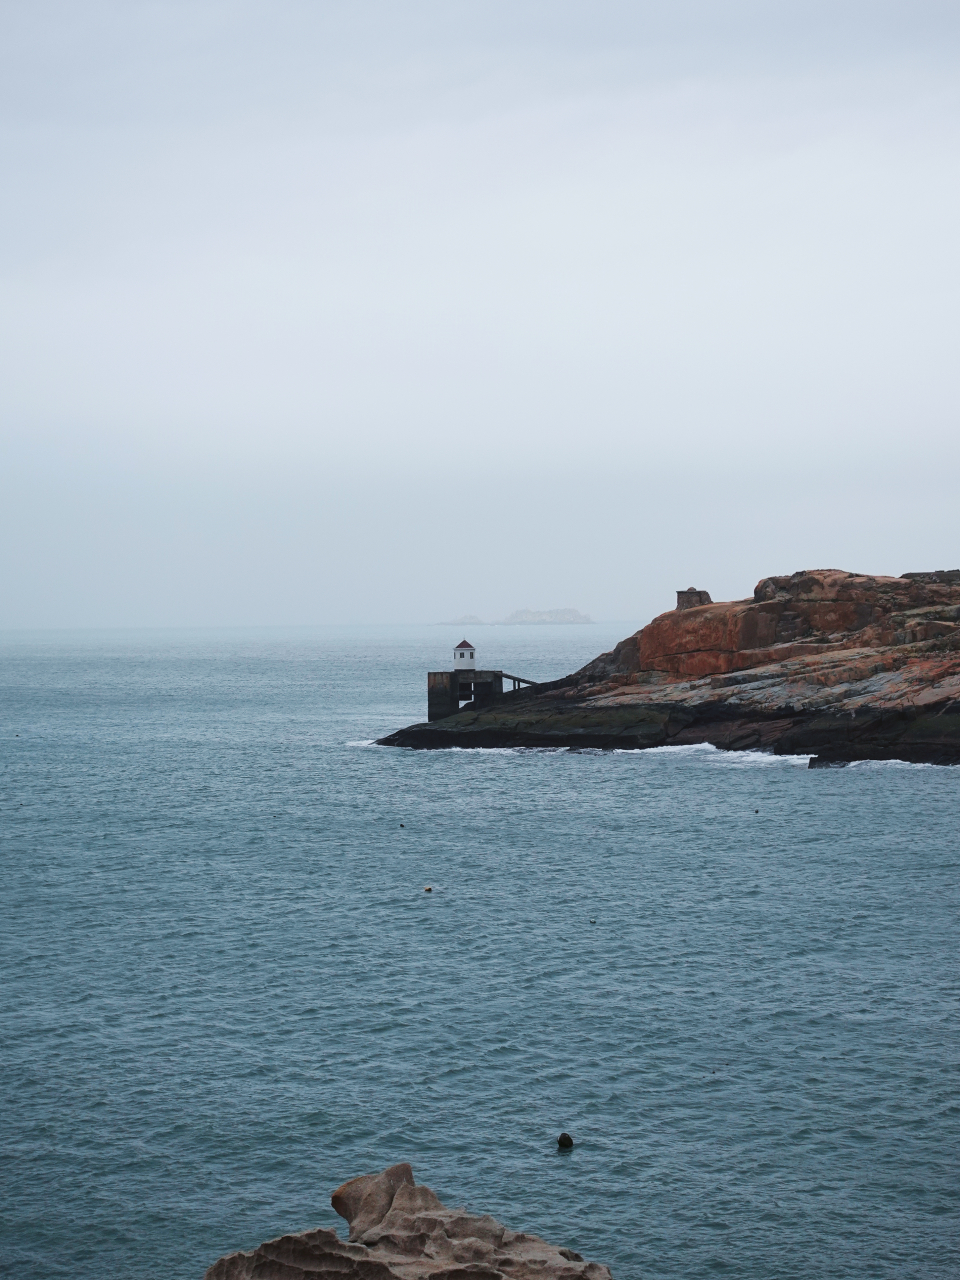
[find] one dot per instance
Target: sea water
(732, 979)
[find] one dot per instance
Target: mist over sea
(224, 991)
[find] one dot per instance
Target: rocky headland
(399, 1229)
(836, 665)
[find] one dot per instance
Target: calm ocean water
(734, 980)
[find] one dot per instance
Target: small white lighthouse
(464, 656)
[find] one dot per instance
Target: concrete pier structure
(446, 690)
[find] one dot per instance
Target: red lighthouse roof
(464, 644)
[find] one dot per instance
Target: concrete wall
(445, 689)
(692, 598)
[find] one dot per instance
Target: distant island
(523, 617)
(549, 616)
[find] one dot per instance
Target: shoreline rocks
(836, 665)
(400, 1229)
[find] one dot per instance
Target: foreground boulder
(400, 1229)
(842, 666)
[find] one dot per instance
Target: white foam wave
(729, 759)
(895, 764)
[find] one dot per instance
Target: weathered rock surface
(399, 1229)
(839, 665)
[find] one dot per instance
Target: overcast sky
(332, 310)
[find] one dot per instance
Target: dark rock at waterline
(565, 1140)
(399, 1229)
(836, 665)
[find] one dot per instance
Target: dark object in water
(564, 1141)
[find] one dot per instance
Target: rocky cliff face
(823, 662)
(807, 614)
(399, 1229)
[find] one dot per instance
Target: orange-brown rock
(839, 665)
(401, 1230)
(805, 614)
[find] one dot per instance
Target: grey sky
(368, 311)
